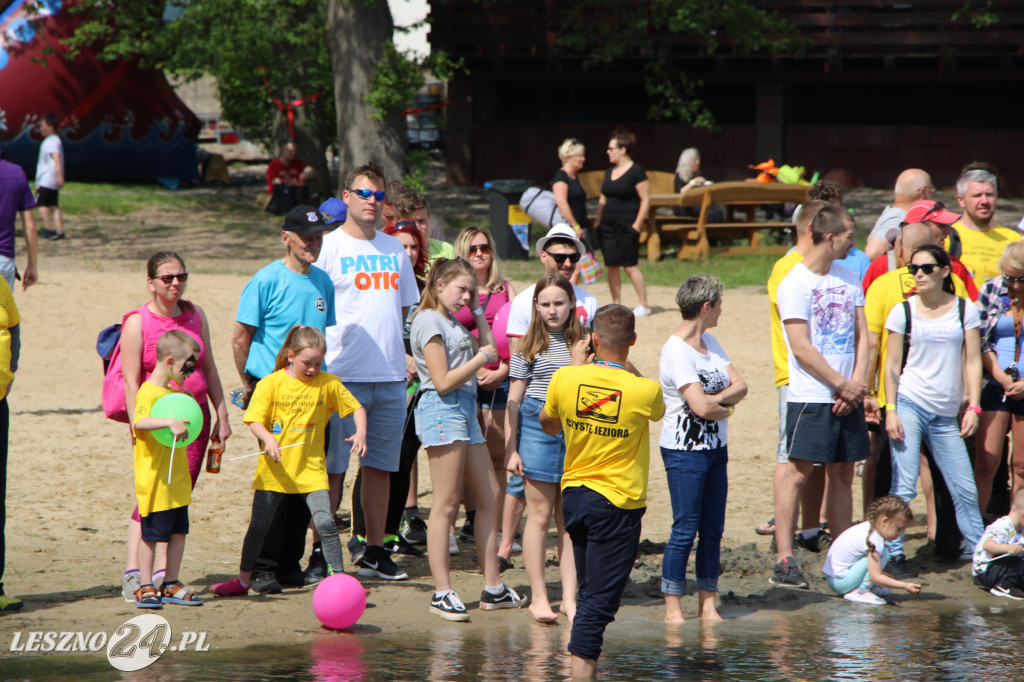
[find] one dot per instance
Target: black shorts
(992, 401)
(815, 434)
(620, 244)
(160, 526)
(47, 197)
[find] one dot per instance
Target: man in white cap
(559, 251)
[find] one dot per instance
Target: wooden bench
(735, 197)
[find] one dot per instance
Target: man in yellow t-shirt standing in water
(983, 239)
(604, 411)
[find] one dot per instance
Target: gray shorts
(384, 403)
(815, 434)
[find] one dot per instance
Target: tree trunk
(357, 32)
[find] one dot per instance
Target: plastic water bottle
(237, 396)
(213, 456)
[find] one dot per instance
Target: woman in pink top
(476, 245)
(142, 329)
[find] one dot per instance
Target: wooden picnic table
(740, 200)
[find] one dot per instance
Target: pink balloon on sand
(500, 329)
(339, 601)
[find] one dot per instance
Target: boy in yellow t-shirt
(163, 494)
(604, 412)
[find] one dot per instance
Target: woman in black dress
(570, 197)
(621, 212)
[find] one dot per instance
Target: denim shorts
(993, 399)
(445, 419)
(493, 400)
(384, 402)
(543, 455)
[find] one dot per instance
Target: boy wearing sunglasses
(162, 483)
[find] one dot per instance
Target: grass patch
(735, 271)
(81, 197)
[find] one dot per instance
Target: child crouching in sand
(999, 556)
(288, 412)
(853, 567)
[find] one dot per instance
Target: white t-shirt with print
(933, 377)
(682, 364)
(1002, 531)
(829, 306)
(850, 547)
(522, 310)
(373, 281)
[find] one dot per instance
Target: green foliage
(399, 75)
(615, 30)
(238, 42)
(416, 161)
(981, 13)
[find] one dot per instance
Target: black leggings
(264, 504)
(1008, 572)
(399, 481)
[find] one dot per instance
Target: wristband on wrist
(478, 311)
(890, 406)
(731, 409)
(975, 410)
(488, 357)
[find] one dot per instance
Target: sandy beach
(70, 485)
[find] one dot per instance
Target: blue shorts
(446, 419)
(543, 454)
(160, 526)
(493, 400)
(515, 487)
(384, 402)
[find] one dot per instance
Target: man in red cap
(932, 214)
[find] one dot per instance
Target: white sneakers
(641, 311)
(453, 544)
(864, 596)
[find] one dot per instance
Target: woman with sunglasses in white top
(929, 379)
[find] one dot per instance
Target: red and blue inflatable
(117, 120)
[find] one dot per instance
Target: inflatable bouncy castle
(117, 120)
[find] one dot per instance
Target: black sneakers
(414, 529)
(317, 569)
(787, 574)
(377, 563)
(396, 544)
(1007, 592)
(507, 599)
(897, 568)
(357, 548)
(449, 607)
(265, 583)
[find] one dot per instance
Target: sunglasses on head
(926, 268)
(562, 257)
(479, 248)
(934, 210)
(1013, 280)
(189, 365)
(169, 279)
(365, 194)
(405, 225)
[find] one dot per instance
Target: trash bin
(510, 226)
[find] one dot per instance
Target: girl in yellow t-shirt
(288, 412)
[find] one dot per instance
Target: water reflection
(834, 641)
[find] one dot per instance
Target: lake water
(839, 641)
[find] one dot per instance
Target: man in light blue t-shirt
(286, 293)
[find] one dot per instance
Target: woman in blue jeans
(942, 358)
(701, 389)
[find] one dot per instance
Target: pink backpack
(114, 405)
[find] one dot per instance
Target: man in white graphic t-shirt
(821, 305)
(373, 286)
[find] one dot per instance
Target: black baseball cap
(304, 221)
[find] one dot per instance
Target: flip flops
(766, 528)
(174, 592)
(147, 598)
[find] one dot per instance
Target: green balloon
(178, 406)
